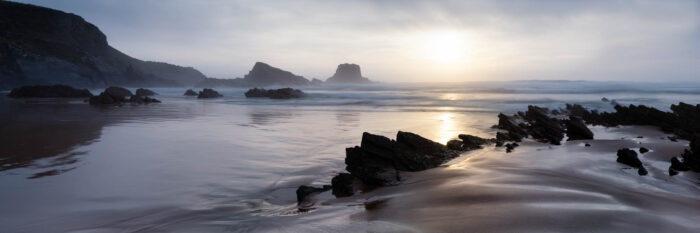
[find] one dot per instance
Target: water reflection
(268, 117)
(447, 127)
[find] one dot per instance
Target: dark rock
(282, 93)
(642, 171)
(605, 99)
(145, 92)
(190, 92)
(542, 127)
(304, 191)
(208, 93)
(138, 99)
(316, 82)
(343, 185)
(265, 75)
(44, 46)
(378, 160)
(587, 145)
(691, 157)
(677, 165)
(454, 144)
(348, 73)
(509, 124)
(55, 91)
(629, 157)
(576, 129)
(111, 95)
(468, 142)
(643, 150)
(511, 146)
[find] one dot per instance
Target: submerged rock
(629, 157)
(304, 191)
(54, 91)
(190, 92)
(145, 92)
(576, 129)
(208, 93)
(282, 93)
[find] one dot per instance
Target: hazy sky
(411, 41)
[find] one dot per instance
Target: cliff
(43, 46)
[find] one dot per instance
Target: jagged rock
(208, 93)
(265, 75)
(145, 92)
(509, 124)
(629, 157)
(111, 95)
(190, 92)
(643, 150)
(348, 73)
(542, 127)
(576, 129)
(304, 191)
(55, 91)
(282, 93)
(378, 160)
(343, 185)
(511, 146)
(605, 99)
(468, 142)
(691, 157)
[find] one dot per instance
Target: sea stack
(348, 73)
(265, 75)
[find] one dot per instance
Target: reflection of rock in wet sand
(268, 117)
(43, 134)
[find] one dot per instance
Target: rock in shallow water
(55, 91)
(190, 92)
(576, 129)
(304, 191)
(118, 95)
(145, 92)
(207, 93)
(629, 157)
(282, 93)
(343, 185)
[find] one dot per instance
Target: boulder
(208, 93)
(145, 92)
(643, 150)
(343, 185)
(691, 157)
(378, 160)
(542, 127)
(509, 124)
(282, 93)
(111, 95)
(511, 146)
(190, 92)
(576, 129)
(468, 142)
(55, 91)
(629, 157)
(304, 191)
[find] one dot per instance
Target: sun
(446, 46)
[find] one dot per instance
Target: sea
(232, 164)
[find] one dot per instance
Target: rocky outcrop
(305, 191)
(348, 73)
(629, 157)
(55, 91)
(265, 75)
(44, 46)
(343, 185)
(690, 159)
(190, 92)
(535, 122)
(576, 129)
(119, 95)
(145, 92)
(207, 93)
(282, 93)
(468, 142)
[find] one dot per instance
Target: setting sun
(446, 47)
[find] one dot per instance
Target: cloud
(598, 40)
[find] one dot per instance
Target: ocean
(233, 164)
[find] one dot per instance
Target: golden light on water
(447, 127)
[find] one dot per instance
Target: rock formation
(119, 95)
(207, 93)
(265, 75)
(190, 92)
(348, 73)
(44, 46)
(282, 93)
(55, 91)
(145, 92)
(629, 157)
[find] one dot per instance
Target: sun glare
(446, 46)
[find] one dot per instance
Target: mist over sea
(233, 164)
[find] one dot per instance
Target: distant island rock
(262, 74)
(348, 73)
(145, 92)
(282, 93)
(54, 91)
(207, 93)
(44, 46)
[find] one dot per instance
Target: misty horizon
(410, 42)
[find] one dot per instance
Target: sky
(410, 41)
